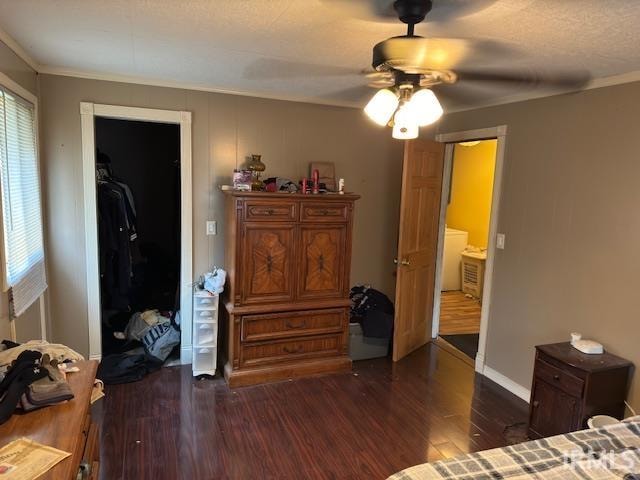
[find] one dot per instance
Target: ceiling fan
(407, 68)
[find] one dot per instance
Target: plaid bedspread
(612, 452)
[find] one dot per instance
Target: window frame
(16, 89)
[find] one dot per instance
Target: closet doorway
(142, 158)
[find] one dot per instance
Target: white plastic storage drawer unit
(205, 332)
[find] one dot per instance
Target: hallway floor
(367, 424)
(459, 314)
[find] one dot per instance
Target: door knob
(405, 262)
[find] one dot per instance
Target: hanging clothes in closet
(117, 234)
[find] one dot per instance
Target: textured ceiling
(308, 49)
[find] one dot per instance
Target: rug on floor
(467, 343)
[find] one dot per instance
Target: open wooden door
(417, 245)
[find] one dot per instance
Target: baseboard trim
(96, 356)
(505, 382)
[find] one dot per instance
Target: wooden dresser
(569, 387)
(67, 427)
(286, 301)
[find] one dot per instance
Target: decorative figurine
(256, 167)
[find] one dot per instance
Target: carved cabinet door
(267, 260)
(322, 261)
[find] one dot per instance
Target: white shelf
(205, 333)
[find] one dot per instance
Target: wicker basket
(473, 272)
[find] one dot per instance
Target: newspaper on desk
(24, 459)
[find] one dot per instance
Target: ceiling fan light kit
(407, 67)
(408, 109)
(381, 107)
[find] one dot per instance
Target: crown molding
(609, 81)
(18, 50)
(612, 80)
(601, 82)
(191, 86)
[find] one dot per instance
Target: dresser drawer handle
(536, 403)
(270, 211)
(297, 349)
(291, 325)
(556, 377)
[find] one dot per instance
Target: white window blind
(21, 206)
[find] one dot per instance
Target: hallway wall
(471, 190)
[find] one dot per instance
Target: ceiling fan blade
(457, 95)
(383, 11)
(370, 10)
(276, 68)
(357, 95)
(422, 55)
(559, 79)
(377, 79)
(448, 10)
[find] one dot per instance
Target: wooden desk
(67, 426)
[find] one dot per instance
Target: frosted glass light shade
(404, 124)
(425, 107)
(381, 106)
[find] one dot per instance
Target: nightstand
(569, 387)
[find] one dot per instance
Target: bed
(612, 452)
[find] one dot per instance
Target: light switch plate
(212, 227)
(500, 238)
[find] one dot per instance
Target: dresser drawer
(324, 212)
(289, 324)
(270, 210)
(293, 349)
(559, 378)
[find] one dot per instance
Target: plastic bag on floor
(160, 340)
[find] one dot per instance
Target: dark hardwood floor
(368, 424)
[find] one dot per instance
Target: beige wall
(569, 211)
(28, 325)
(226, 129)
(17, 69)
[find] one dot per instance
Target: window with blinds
(21, 205)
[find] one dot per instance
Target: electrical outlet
(500, 238)
(212, 227)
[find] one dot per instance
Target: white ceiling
(243, 45)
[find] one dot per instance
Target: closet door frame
(88, 113)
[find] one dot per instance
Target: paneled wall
(569, 211)
(226, 130)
